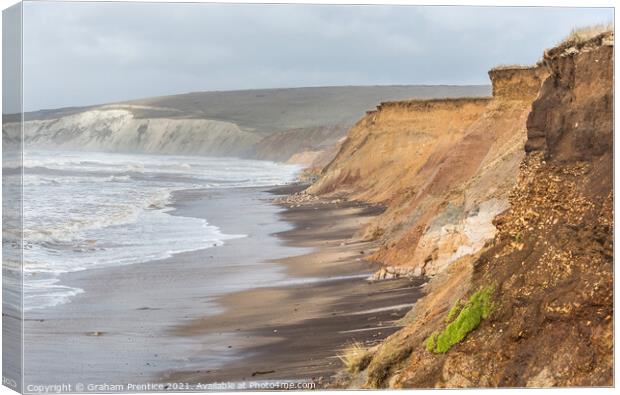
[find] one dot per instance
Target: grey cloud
(87, 53)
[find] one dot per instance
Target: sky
(79, 54)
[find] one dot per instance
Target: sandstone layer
(550, 262)
(442, 167)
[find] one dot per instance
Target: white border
(561, 3)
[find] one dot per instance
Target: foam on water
(92, 210)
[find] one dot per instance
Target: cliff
(271, 124)
(442, 167)
(118, 130)
(399, 136)
(534, 306)
(284, 146)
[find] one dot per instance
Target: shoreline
(295, 332)
(116, 330)
(225, 313)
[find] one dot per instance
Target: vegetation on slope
(468, 317)
(355, 357)
(586, 33)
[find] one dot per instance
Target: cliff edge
(443, 168)
(534, 305)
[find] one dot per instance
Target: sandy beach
(295, 332)
(277, 304)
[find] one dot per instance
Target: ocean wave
(92, 214)
(47, 292)
(124, 178)
(93, 210)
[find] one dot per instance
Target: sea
(88, 210)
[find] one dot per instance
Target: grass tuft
(470, 314)
(355, 357)
(583, 34)
(431, 342)
(513, 66)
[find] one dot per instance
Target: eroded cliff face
(572, 119)
(284, 146)
(116, 129)
(383, 152)
(550, 265)
(442, 167)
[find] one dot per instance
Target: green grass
(431, 342)
(470, 314)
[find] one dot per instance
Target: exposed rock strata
(283, 146)
(443, 168)
(551, 260)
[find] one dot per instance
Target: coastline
(182, 320)
(294, 332)
(117, 328)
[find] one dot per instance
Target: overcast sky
(87, 53)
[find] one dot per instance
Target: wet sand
(294, 333)
(277, 304)
(117, 330)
